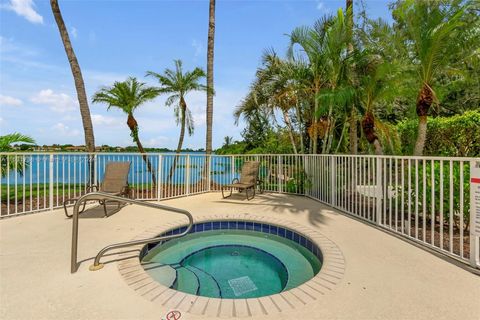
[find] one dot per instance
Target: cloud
(65, 130)
(10, 101)
(74, 32)
(321, 7)
(101, 120)
(25, 8)
(157, 142)
(58, 102)
(199, 50)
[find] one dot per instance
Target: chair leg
(104, 203)
(223, 196)
(246, 192)
(65, 208)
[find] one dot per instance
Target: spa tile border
(331, 273)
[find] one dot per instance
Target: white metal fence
(425, 199)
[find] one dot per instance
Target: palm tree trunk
(210, 59)
(353, 132)
(421, 136)
(378, 147)
(424, 102)
(133, 126)
(286, 118)
(183, 110)
(300, 129)
(339, 144)
(79, 87)
(210, 55)
(314, 122)
(368, 125)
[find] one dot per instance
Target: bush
(453, 136)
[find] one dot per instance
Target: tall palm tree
(128, 96)
(353, 139)
(429, 28)
(79, 87)
(77, 77)
(177, 84)
(9, 163)
(311, 41)
(210, 55)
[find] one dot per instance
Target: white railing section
(425, 199)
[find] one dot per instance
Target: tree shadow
(279, 203)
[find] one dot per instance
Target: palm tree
(177, 84)
(353, 111)
(210, 54)
(311, 41)
(325, 48)
(429, 29)
(128, 96)
(376, 84)
(8, 163)
(77, 77)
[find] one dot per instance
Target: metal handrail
(105, 196)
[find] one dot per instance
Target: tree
(9, 163)
(128, 96)
(210, 56)
(353, 139)
(77, 77)
(177, 84)
(430, 34)
(375, 83)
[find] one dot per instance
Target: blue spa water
(233, 264)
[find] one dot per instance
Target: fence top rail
(242, 155)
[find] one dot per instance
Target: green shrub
(453, 136)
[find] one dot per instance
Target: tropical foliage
(338, 77)
(177, 84)
(127, 96)
(9, 163)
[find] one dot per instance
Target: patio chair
(115, 182)
(248, 179)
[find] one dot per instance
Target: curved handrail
(104, 196)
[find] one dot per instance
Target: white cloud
(74, 32)
(25, 8)
(65, 130)
(10, 101)
(321, 6)
(58, 102)
(101, 120)
(199, 50)
(157, 142)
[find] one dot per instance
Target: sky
(114, 39)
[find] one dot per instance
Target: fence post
(475, 213)
(187, 175)
(232, 168)
(50, 182)
(333, 181)
(378, 191)
(280, 172)
(95, 169)
(159, 178)
(209, 172)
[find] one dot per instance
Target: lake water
(73, 168)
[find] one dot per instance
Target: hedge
(453, 136)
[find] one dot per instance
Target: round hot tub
(233, 259)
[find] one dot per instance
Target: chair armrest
(235, 180)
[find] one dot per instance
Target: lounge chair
(248, 179)
(115, 182)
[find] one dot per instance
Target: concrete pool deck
(384, 277)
